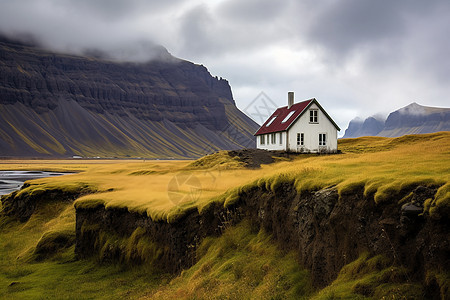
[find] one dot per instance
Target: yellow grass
(381, 167)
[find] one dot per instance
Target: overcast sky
(356, 57)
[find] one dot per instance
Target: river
(11, 181)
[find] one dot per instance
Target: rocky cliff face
(327, 231)
(60, 105)
(411, 119)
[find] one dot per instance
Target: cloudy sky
(357, 57)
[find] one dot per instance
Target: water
(11, 181)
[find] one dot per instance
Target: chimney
(290, 99)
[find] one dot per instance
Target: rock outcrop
(55, 104)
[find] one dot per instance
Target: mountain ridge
(57, 104)
(411, 119)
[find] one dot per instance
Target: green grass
(372, 278)
(240, 264)
(37, 261)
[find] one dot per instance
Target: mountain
(411, 119)
(415, 119)
(54, 104)
(370, 126)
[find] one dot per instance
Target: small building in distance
(299, 127)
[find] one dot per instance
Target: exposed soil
(325, 231)
(23, 205)
(177, 241)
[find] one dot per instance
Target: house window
(262, 139)
(271, 120)
(322, 139)
(274, 138)
(313, 113)
(281, 138)
(300, 139)
(288, 116)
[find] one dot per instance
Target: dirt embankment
(327, 231)
(108, 235)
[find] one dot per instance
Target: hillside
(58, 105)
(369, 223)
(411, 119)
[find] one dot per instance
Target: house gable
(314, 101)
(312, 132)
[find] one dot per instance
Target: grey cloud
(398, 48)
(195, 31)
(398, 38)
(112, 10)
(138, 51)
(428, 52)
(259, 11)
(101, 27)
(233, 27)
(345, 25)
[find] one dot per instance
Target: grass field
(382, 167)
(165, 189)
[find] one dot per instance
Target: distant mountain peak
(411, 119)
(413, 109)
(417, 109)
(359, 127)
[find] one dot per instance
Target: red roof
(277, 124)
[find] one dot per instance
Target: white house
(299, 127)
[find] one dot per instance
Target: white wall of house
(311, 133)
(268, 145)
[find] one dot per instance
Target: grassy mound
(53, 242)
(221, 159)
